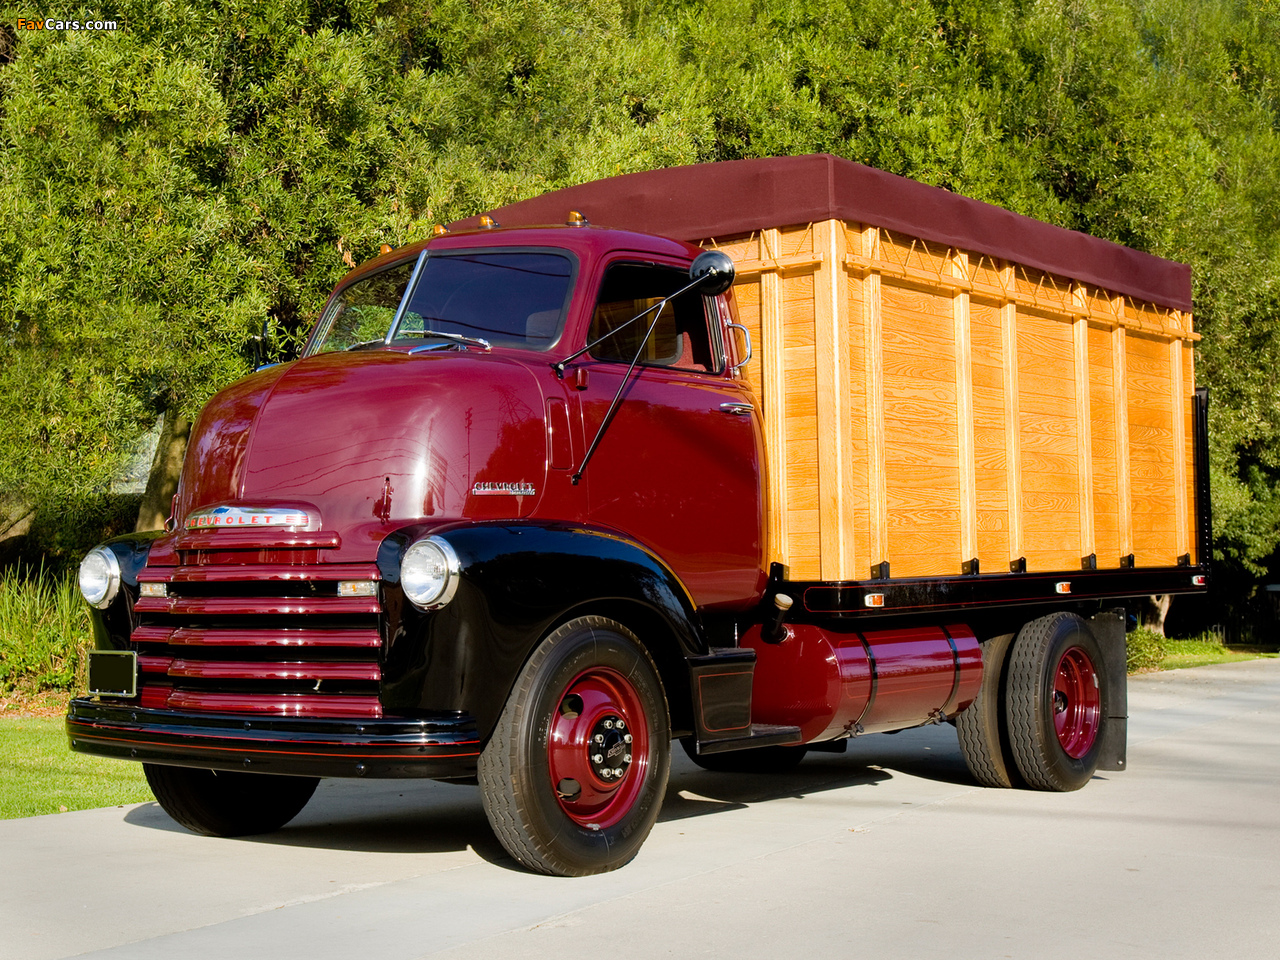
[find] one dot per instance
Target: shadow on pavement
(424, 816)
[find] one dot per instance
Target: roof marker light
(439, 230)
(488, 223)
(576, 219)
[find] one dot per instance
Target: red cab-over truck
(530, 506)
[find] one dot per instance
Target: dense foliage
(167, 187)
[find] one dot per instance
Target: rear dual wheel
(1056, 702)
(1040, 714)
(572, 778)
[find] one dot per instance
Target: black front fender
(517, 582)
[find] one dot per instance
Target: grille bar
(208, 573)
(253, 606)
(254, 670)
(243, 637)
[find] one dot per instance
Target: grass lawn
(1200, 653)
(39, 773)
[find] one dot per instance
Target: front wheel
(573, 776)
(221, 803)
(1057, 702)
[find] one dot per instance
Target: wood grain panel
(1048, 351)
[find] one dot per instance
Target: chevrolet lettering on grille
(248, 517)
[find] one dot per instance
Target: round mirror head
(714, 272)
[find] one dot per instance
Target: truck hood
(374, 440)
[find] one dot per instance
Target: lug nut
(621, 725)
(597, 758)
(617, 771)
(598, 738)
(608, 724)
(626, 738)
(626, 758)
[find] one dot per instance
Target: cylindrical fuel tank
(834, 682)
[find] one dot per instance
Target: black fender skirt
(517, 582)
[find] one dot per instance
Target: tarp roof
(721, 200)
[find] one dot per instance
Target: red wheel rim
(1077, 703)
(598, 748)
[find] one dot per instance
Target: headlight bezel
(433, 550)
(108, 577)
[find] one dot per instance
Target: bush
(1146, 650)
(44, 632)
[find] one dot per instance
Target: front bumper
(440, 748)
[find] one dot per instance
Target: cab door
(679, 467)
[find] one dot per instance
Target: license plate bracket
(113, 673)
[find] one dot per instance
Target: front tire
(221, 803)
(573, 776)
(1057, 702)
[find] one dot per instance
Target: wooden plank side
(991, 482)
(923, 484)
(1051, 527)
(801, 471)
(1151, 449)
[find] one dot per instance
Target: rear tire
(751, 760)
(221, 803)
(982, 726)
(1058, 700)
(573, 776)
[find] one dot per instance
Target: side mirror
(712, 271)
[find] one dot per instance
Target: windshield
(506, 297)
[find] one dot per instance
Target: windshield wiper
(455, 337)
(364, 343)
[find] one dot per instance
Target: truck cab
(487, 437)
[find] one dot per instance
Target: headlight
(429, 573)
(99, 577)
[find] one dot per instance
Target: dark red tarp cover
(710, 200)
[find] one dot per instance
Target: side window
(363, 311)
(681, 338)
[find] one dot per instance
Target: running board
(760, 735)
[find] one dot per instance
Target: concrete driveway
(887, 851)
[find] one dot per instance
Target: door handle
(741, 409)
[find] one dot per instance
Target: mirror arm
(617, 397)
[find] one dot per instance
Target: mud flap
(1108, 629)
